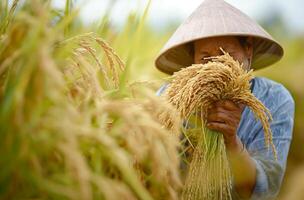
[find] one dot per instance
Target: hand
(224, 117)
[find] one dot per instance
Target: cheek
(197, 59)
(238, 57)
(242, 59)
(246, 64)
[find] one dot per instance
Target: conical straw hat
(211, 19)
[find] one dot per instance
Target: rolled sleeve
(269, 175)
(261, 180)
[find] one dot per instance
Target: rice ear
(194, 89)
(62, 135)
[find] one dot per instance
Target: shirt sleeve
(162, 89)
(269, 171)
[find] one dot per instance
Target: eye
(203, 61)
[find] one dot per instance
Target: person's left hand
(224, 117)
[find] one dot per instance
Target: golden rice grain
(193, 90)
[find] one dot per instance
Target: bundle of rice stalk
(62, 135)
(193, 90)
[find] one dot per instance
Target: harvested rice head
(193, 90)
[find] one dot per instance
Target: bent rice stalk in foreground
(63, 134)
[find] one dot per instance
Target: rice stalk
(61, 135)
(111, 69)
(193, 90)
(8, 15)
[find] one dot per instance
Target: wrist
(234, 144)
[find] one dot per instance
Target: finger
(219, 117)
(227, 104)
(221, 109)
(213, 105)
(217, 104)
(241, 106)
(220, 127)
(218, 107)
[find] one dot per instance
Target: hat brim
(265, 52)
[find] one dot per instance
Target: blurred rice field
(78, 114)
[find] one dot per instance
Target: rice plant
(69, 129)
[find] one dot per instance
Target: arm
(243, 169)
(224, 117)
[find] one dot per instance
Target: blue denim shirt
(281, 105)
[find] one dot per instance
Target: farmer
(215, 24)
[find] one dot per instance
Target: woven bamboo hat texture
(214, 18)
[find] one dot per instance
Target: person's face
(208, 47)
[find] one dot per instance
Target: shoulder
(272, 92)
